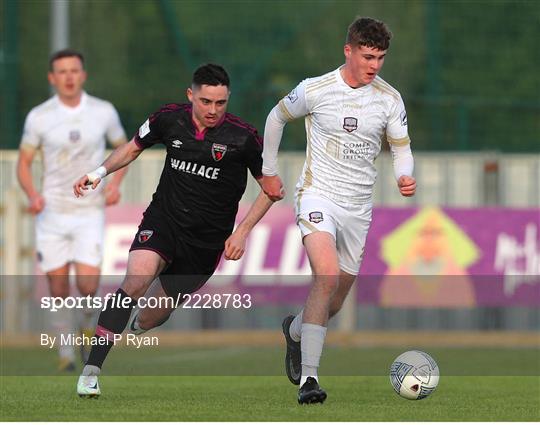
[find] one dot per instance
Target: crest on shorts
(218, 151)
(316, 217)
(144, 235)
(350, 124)
(74, 136)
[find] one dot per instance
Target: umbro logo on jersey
(218, 151)
(316, 217)
(350, 124)
(144, 235)
(176, 143)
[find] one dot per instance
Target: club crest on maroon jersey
(144, 235)
(218, 151)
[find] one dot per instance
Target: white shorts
(349, 226)
(63, 238)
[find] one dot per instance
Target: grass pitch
(173, 393)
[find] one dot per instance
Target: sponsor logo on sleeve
(218, 151)
(292, 96)
(144, 129)
(403, 118)
(350, 124)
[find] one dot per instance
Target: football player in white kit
(348, 113)
(70, 129)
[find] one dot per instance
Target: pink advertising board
(414, 257)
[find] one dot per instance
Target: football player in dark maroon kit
(188, 224)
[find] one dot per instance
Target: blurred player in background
(188, 224)
(70, 129)
(347, 113)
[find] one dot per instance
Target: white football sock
(295, 330)
(311, 344)
(90, 370)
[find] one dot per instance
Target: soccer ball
(414, 375)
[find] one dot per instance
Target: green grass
(177, 395)
(149, 398)
(268, 361)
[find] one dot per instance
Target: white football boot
(88, 386)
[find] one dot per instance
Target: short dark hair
(211, 75)
(369, 32)
(65, 53)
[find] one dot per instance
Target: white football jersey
(344, 129)
(72, 141)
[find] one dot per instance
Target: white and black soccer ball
(414, 375)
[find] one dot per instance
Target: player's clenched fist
(90, 179)
(235, 246)
(36, 204)
(407, 185)
(273, 187)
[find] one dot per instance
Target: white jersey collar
(344, 84)
(69, 109)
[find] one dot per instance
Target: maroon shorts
(188, 266)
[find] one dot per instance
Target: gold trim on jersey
(308, 178)
(331, 79)
(322, 81)
(315, 88)
(299, 198)
(385, 88)
(285, 111)
(383, 83)
(402, 141)
(308, 225)
(308, 175)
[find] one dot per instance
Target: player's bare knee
(59, 290)
(60, 293)
(88, 288)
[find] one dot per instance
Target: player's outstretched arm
(271, 183)
(112, 190)
(236, 243)
(118, 159)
